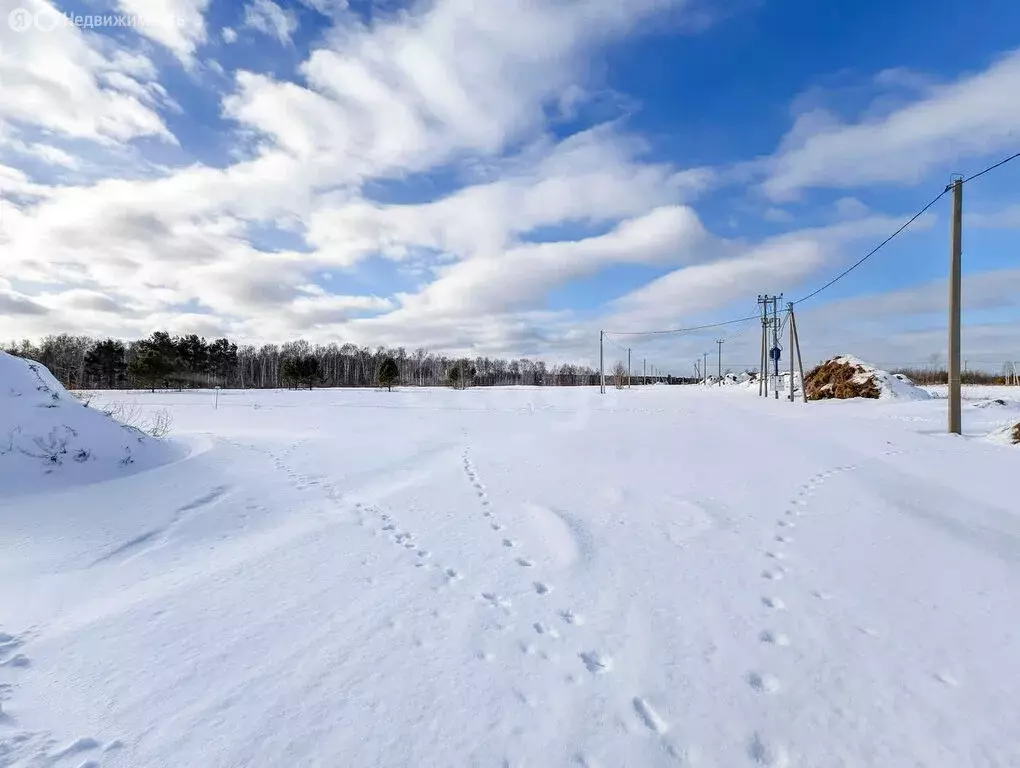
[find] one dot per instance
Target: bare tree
(619, 375)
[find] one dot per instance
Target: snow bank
(48, 439)
(1006, 435)
(845, 377)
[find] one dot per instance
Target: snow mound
(846, 377)
(1007, 435)
(49, 439)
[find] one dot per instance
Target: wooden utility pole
(955, 273)
(720, 343)
(704, 367)
(628, 368)
(644, 372)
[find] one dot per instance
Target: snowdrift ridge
(48, 439)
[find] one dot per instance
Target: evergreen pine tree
(389, 373)
(106, 363)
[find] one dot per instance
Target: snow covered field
(540, 577)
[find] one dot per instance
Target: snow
(48, 439)
(996, 408)
(521, 577)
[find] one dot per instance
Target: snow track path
(500, 578)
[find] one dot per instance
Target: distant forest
(180, 362)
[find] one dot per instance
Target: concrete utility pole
(720, 343)
(796, 348)
(761, 356)
(775, 338)
(628, 368)
(955, 271)
(644, 372)
(704, 367)
(790, 308)
(602, 364)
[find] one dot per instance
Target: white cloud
(64, 82)
(850, 208)
(18, 305)
(964, 119)
(1007, 218)
(737, 271)
(777, 215)
(594, 177)
(410, 92)
(47, 153)
(178, 25)
(269, 18)
(327, 7)
(993, 289)
(229, 35)
(524, 274)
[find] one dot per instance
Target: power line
(874, 250)
(910, 221)
(741, 331)
(833, 281)
(615, 344)
(990, 168)
(684, 330)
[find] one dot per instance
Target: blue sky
(473, 177)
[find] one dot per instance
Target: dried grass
(835, 380)
(1016, 434)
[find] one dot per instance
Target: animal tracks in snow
(405, 540)
(652, 720)
(773, 638)
(596, 662)
(774, 603)
(18, 746)
(761, 749)
(764, 751)
(763, 683)
(9, 655)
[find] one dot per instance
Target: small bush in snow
(155, 423)
(85, 398)
(53, 447)
(619, 375)
(1016, 434)
(159, 423)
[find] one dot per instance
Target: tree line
(190, 361)
(928, 376)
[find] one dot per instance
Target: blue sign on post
(775, 353)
